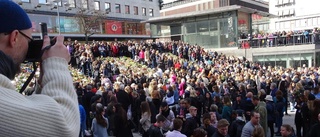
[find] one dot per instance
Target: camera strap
(29, 78)
(34, 70)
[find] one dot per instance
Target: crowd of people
(168, 89)
(177, 89)
(278, 38)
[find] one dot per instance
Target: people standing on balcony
(271, 39)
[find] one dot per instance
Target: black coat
(314, 130)
(154, 131)
(122, 128)
(210, 130)
(235, 127)
(217, 134)
(190, 125)
(123, 98)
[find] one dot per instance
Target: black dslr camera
(35, 50)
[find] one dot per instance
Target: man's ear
(13, 38)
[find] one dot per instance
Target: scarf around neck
(7, 66)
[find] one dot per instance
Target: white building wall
(306, 15)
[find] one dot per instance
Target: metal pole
(58, 17)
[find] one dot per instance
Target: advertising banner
(113, 27)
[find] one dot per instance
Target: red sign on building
(113, 27)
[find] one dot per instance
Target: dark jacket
(236, 128)
(237, 105)
(210, 130)
(248, 107)
(314, 130)
(154, 131)
(217, 134)
(122, 128)
(190, 125)
(123, 98)
(271, 111)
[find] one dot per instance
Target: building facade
(209, 23)
(120, 19)
(294, 15)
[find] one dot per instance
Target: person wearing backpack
(237, 125)
(271, 116)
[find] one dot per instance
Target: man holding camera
(52, 112)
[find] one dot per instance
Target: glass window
(118, 10)
(307, 59)
(191, 39)
(72, 3)
(281, 60)
(314, 21)
(175, 30)
(136, 12)
(151, 12)
(58, 3)
(96, 5)
(287, 24)
(281, 25)
(317, 59)
(42, 1)
(297, 23)
(190, 27)
(318, 20)
(25, 1)
(293, 24)
(270, 60)
(309, 22)
(223, 3)
(84, 4)
(213, 25)
(127, 9)
(294, 60)
(259, 59)
(277, 25)
(203, 26)
(107, 7)
(144, 11)
(303, 22)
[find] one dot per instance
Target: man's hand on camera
(57, 50)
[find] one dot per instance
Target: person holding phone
(54, 111)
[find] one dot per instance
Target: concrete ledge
(249, 53)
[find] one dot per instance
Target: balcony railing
(297, 39)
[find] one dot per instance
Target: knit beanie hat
(13, 17)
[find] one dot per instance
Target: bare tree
(89, 18)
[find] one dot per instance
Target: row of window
(286, 13)
(223, 3)
(84, 4)
(309, 22)
(284, 2)
(107, 6)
